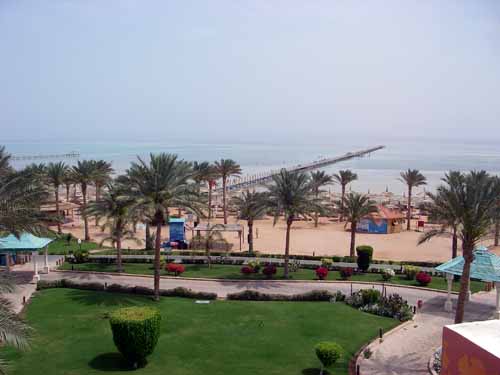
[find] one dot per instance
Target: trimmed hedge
(312, 296)
(117, 288)
(135, 332)
(365, 255)
(328, 353)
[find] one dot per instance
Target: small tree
(328, 354)
(365, 255)
(135, 332)
(412, 178)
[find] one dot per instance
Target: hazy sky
(248, 70)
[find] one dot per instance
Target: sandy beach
(327, 239)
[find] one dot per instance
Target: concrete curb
(258, 281)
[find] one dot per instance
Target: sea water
(377, 172)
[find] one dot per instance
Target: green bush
(135, 332)
(411, 272)
(326, 262)
(328, 353)
(365, 255)
(314, 296)
(370, 296)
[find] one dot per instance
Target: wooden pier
(266, 177)
(70, 155)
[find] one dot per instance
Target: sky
(249, 71)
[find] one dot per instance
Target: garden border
(262, 280)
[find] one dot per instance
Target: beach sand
(328, 239)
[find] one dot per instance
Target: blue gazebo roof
(26, 242)
(485, 266)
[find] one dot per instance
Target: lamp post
(79, 244)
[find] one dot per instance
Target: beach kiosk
(177, 231)
(485, 267)
(15, 250)
(383, 221)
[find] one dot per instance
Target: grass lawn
(218, 271)
(72, 335)
(61, 247)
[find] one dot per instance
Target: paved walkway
(406, 351)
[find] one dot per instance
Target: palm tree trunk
(454, 244)
(353, 239)
(408, 213)
(287, 246)
(316, 215)
(342, 204)
(67, 192)
(497, 232)
(209, 200)
(250, 236)
(85, 220)
(57, 210)
(119, 263)
(157, 262)
(464, 282)
(207, 250)
(97, 196)
(224, 208)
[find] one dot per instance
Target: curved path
(406, 351)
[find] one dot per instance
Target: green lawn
(72, 335)
(218, 271)
(61, 246)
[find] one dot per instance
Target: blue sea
(377, 172)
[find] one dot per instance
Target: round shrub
(388, 274)
(411, 272)
(135, 332)
(326, 262)
(423, 278)
(269, 270)
(365, 254)
(322, 273)
(328, 353)
(346, 273)
(254, 265)
(176, 269)
(246, 270)
(370, 296)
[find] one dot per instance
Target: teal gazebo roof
(26, 242)
(485, 266)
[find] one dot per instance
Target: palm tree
(102, 175)
(56, 173)
(20, 200)
(356, 206)
(83, 174)
(291, 195)
(225, 169)
(473, 197)
(206, 172)
(251, 206)
(117, 208)
(5, 167)
(412, 178)
(318, 180)
(13, 330)
(162, 183)
(344, 178)
(441, 211)
(68, 181)
(211, 235)
(496, 219)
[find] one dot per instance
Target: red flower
(174, 268)
(346, 272)
(423, 278)
(322, 273)
(269, 270)
(246, 270)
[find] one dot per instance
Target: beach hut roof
(486, 265)
(384, 212)
(25, 242)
